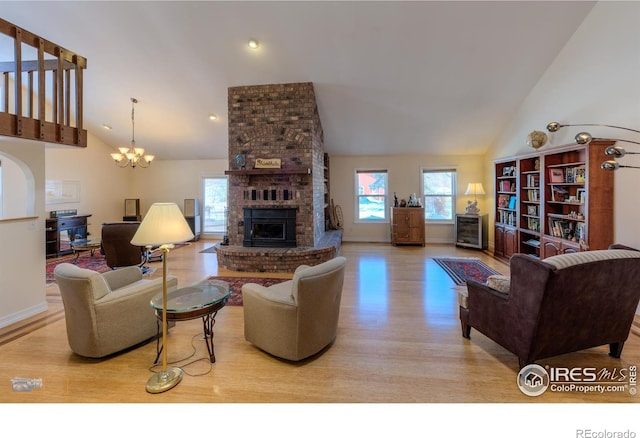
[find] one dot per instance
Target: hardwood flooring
(399, 341)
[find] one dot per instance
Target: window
(371, 195)
(439, 191)
(215, 204)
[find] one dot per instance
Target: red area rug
(236, 286)
(460, 269)
(95, 262)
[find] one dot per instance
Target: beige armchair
(109, 312)
(297, 318)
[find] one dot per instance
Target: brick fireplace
(270, 123)
(278, 121)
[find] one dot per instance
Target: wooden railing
(41, 98)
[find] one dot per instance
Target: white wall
(404, 173)
(103, 186)
(595, 79)
(22, 260)
(14, 197)
(173, 181)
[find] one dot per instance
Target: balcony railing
(40, 89)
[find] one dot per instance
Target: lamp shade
(474, 189)
(163, 224)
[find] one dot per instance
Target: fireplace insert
(270, 227)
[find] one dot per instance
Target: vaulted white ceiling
(390, 77)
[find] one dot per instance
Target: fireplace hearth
(269, 227)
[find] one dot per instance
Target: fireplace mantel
(249, 172)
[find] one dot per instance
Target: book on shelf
(505, 186)
(561, 228)
(533, 242)
(503, 201)
(574, 174)
(533, 195)
(556, 175)
(559, 193)
(507, 217)
(533, 180)
(580, 233)
(512, 202)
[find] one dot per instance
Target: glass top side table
(203, 299)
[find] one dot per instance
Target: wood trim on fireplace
(305, 171)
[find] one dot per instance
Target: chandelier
(132, 156)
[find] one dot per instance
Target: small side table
(202, 299)
(83, 245)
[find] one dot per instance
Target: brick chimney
(277, 121)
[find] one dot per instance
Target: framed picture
(503, 201)
(532, 210)
(581, 194)
(508, 171)
(62, 192)
(556, 176)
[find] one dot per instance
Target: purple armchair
(557, 305)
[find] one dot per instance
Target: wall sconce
(612, 151)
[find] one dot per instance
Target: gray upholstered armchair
(298, 318)
(557, 305)
(109, 312)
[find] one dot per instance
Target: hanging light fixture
(132, 156)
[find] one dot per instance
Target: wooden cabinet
(407, 226)
(471, 231)
(563, 201)
(61, 232)
(506, 241)
(552, 247)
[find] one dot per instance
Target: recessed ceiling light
(213, 117)
(107, 127)
(253, 43)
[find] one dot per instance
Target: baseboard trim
(23, 314)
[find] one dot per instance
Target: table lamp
(474, 189)
(163, 225)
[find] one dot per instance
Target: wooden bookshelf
(506, 216)
(564, 202)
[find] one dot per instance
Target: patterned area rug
(236, 286)
(95, 262)
(459, 269)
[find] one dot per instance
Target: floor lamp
(163, 225)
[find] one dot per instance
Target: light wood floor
(398, 341)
